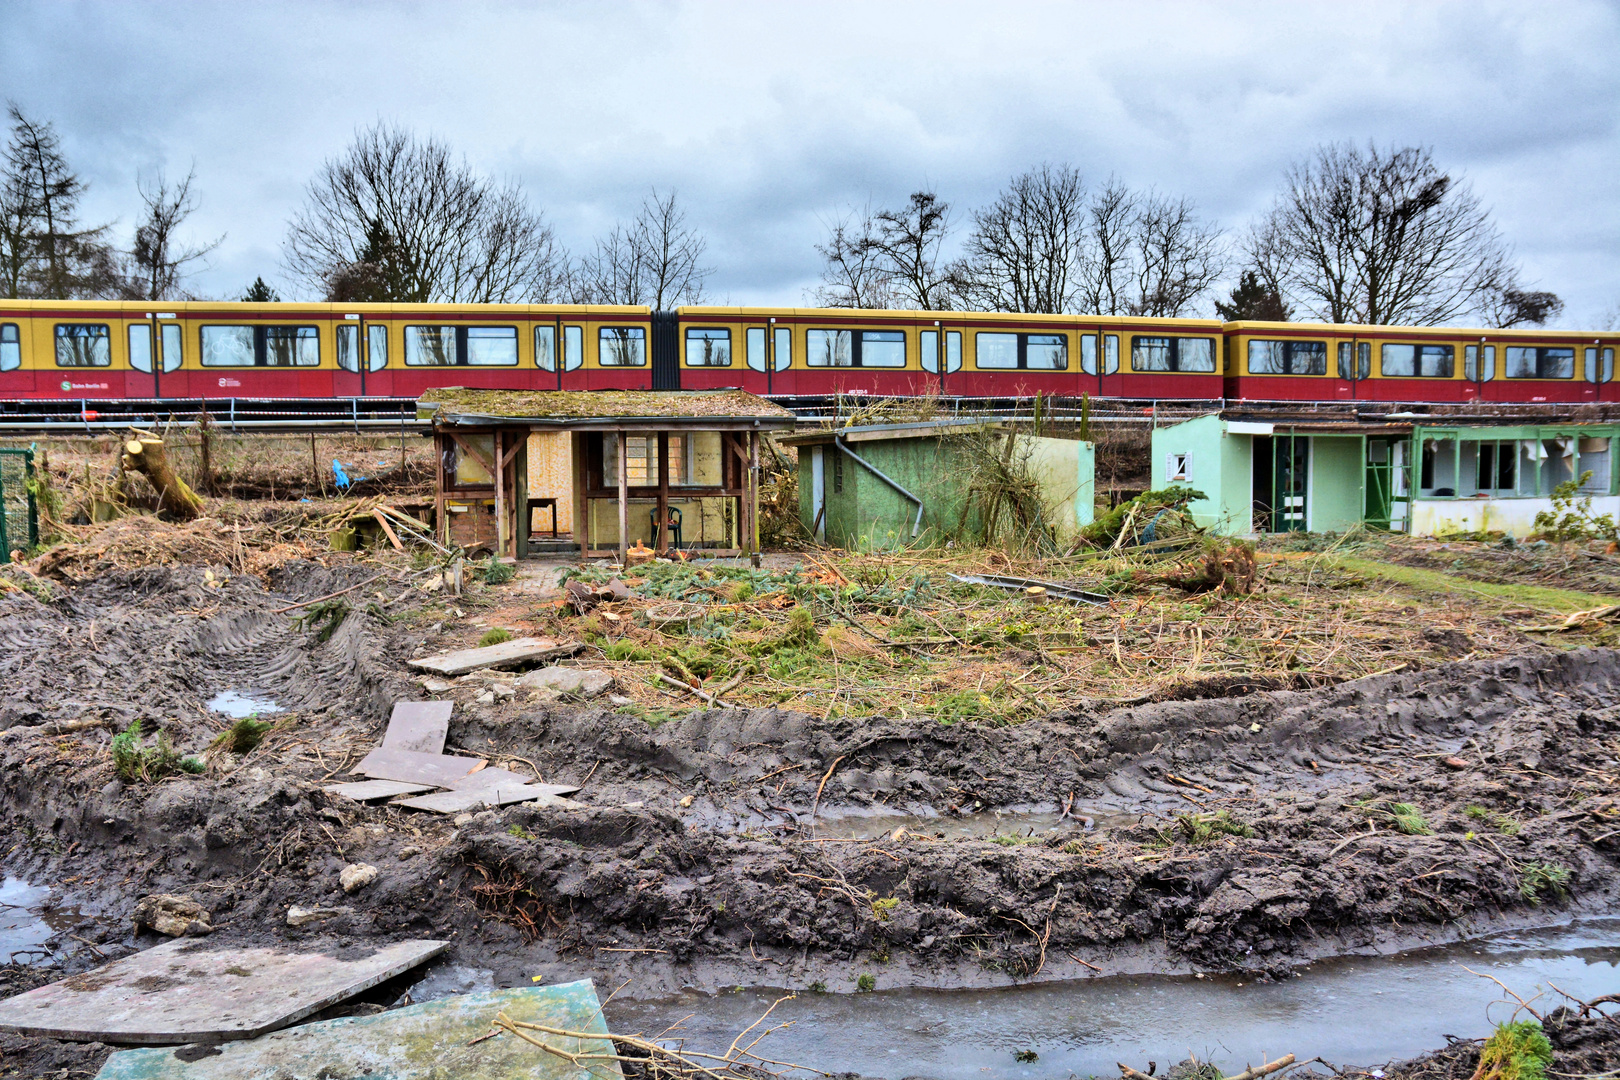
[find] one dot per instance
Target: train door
(1099, 365)
(1598, 368)
(362, 359)
(170, 356)
(1353, 366)
(1479, 368)
(941, 354)
(571, 357)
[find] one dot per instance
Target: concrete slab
(419, 1042)
(188, 991)
(372, 790)
(437, 770)
(418, 726)
(506, 654)
(491, 777)
(454, 802)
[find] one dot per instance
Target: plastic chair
(674, 525)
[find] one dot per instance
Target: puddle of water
(1359, 1010)
(1008, 822)
(240, 704)
(24, 925)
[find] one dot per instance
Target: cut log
(145, 454)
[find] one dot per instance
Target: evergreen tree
(260, 293)
(1253, 300)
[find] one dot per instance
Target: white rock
(301, 916)
(486, 698)
(502, 692)
(357, 876)
(437, 686)
(586, 682)
(620, 699)
(462, 819)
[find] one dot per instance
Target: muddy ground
(715, 849)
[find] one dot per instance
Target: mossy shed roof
(459, 406)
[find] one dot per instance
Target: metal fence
(19, 513)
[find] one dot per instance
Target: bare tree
(44, 250)
(1510, 306)
(158, 261)
(855, 272)
(654, 260)
(912, 239)
(1027, 251)
(455, 236)
(1105, 284)
(1176, 257)
(1380, 236)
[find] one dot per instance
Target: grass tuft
(242, 736)
(1536, 878)
(1409, 820)
(494, 637)
(1515, 1051)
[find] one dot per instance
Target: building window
(1416, 361)
(621, 346)
(430, 346)
(1537, 362)
(708, 347)
(10, 347)
(641, 461)
(1287, 357)
(83, 345)
(1173, 354)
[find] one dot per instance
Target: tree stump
(146, 454)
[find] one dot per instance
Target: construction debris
(406, 766)
(418, 726)
(176, 916)
(506, 654)
(197, 991)
(448, 1037)
(1052, 588)
(585, 682)
(373, 790)
(455, 802)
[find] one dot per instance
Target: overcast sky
(772, 118)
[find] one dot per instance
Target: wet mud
(1241, 834)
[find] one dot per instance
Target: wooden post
(753, 492)
(582, 501)
(441, 523)
(500, 497)
(624, 500)
(662, 543)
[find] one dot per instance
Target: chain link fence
(19, 513)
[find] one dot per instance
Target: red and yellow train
(109, 351)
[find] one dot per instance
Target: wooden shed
(656, 450)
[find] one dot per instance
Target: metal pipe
(916, 526)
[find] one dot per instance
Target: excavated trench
(936, 856)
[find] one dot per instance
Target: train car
(119, 350)
(1324, 362)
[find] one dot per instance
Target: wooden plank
(198, 990)
(436, 1039)
(418, 726)
(439, 770)
(372, 790)
(454, 802)
(506, 654)
(624, 500)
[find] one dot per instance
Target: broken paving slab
(373, 790)
(491, 777)
(408, 767)
(586, 682)
(506, 654)
(189, 991)
(435, 1039)
(419, 726)
(454, 802)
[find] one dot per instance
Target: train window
(1172, 354)
(1046, 352)
(882, 348)
(1088, 353)
(1111, 354)
(756, 348)
(1287, 357)
(292, 346)
(1416, 361)
(545, 348)
(573, 355)
(227, 346)
(491, 346)
(784, 348)
(430, 346)
(140, 346)
(83, 345)
(953, 350)
(1363, 352)
(1590, 365)
(621, 346)
(1471, 369)
(708, 347)
(1537, 362)
(928, 349)
(829, 348)
(10, 347)
(995, 351)
(348, 336)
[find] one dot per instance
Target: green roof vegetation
(561, 405)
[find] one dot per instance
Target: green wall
(1335, 500)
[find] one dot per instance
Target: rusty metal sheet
(202, 991)
(429, 1041)
(506, 654)
(372, 790)
(454, 802)
(439, 770)
(418, 726)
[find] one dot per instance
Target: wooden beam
(581, 495)
(662, 542)
(753, 492)
(624, 500)
(441, 523)
(477, 454)
(500, 499)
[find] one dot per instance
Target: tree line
(1353, 235)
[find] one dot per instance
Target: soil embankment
(1245, 833)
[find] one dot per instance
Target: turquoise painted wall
(1336, 499)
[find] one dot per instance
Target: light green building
(1261, 476)
(890, 485)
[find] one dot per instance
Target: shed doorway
(1282, 467)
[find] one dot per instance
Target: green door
(1290, 474)
(1380, 483)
